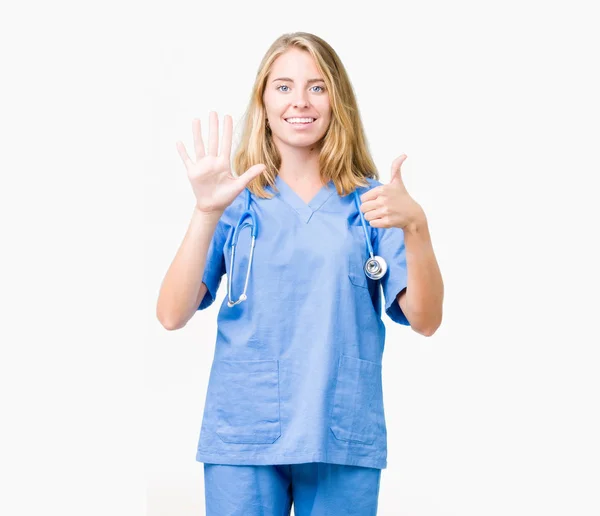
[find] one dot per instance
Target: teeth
(300, 120)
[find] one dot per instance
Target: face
(291, 93)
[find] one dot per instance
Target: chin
(302, 142)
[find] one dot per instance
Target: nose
(300, 101)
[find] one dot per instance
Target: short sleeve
(390, 246)
(215, 266)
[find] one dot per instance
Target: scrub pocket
(357, 414)
(247, 401)
(357, 256)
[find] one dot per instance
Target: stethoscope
(375, 267)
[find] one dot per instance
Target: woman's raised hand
(214, 185)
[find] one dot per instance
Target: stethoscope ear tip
(243, 297)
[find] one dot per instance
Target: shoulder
(372, 183)
(231, 215)
(234, 211)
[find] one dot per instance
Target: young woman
(309, 241)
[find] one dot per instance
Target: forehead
(294, 63)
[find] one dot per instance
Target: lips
(300, 123)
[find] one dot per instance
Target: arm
(182, 289)
(421, 301)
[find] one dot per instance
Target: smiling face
(294, 92)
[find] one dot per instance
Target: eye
(286, 86)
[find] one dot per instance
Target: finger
(198, 143)
(375, 214)
(370, 205)
(226, 141)
(382, 222)
(252, 173)
(371, 194)
(184, 155)
(213, 133)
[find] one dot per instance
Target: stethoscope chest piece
(375, 267)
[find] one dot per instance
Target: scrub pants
(315, 489)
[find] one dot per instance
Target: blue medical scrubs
(314, 489)
(297, 370)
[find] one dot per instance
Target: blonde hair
(344, 157)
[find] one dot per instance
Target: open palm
(210, 175)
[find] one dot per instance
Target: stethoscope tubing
(375, 267)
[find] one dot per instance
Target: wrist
(211, 212)
(210, 217)
(417, 222)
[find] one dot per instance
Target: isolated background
(497, 412)
(495, 105)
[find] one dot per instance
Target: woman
(294, 408)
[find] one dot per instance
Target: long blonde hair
(344, 157)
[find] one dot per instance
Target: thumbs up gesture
(390, 205)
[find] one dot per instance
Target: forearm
(179, 290)
(425, 287)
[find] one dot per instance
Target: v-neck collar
(291, 198)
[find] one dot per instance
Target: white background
(496, 106)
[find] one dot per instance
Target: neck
(299, 164)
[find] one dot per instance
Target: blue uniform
(297, 370)
(315, 489)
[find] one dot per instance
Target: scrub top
(297, 369)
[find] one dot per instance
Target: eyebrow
(292, 80)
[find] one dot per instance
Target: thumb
(252, 173)
(396, 175)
